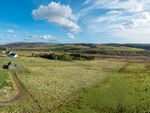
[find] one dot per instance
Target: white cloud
(57, 13)
(127, 5)
(86, 2)
(141, 19)
(33, 36)
(136, 35)
(10, 31)
(48, 37)
(121, 14)
(44, 37)
(70, 35)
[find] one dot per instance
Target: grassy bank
(126, 91)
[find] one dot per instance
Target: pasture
(96, 86)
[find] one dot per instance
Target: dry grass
(7, 89)
(53, 82)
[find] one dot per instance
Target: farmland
(76, 86)
(126, 91)
(54, 81)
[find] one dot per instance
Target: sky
(75, 21)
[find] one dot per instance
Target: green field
(6, 86)
(96, 86)
(126, 91)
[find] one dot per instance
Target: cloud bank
(58, 14)
(47, 37)
(121, 18)
(10, 31)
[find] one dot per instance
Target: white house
(12, 55)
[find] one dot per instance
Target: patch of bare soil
(22, 93)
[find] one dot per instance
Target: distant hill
(18, 45)
(78, 46)
(141, 46)
(83, 48)
(74, 47)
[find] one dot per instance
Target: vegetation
(51, 83)
(68, 79)
(6, 86)
(82, 49)
(140, 46)
(4, 79)
(63, 56)
(126, 91)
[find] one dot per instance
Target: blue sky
(75, 21)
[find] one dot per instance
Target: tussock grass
(6, 86)
(54, 82)
(126, 91)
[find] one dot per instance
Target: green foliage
(85, 50)
(4, 77)
(79, 56)
(64, 56)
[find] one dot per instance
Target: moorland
(75, 78)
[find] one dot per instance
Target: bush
(65, 57)
(77, 56)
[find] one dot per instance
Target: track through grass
(125, 91)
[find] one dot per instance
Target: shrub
(65, 57)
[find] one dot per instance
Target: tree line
(63, 56)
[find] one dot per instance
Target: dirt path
(22, 93)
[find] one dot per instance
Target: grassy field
(53, 82)
(6, 86)
(126, 91)
(96, 86)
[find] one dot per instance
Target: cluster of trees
(64, 56)
(78, 56)
(117, 53)
(88, 54)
